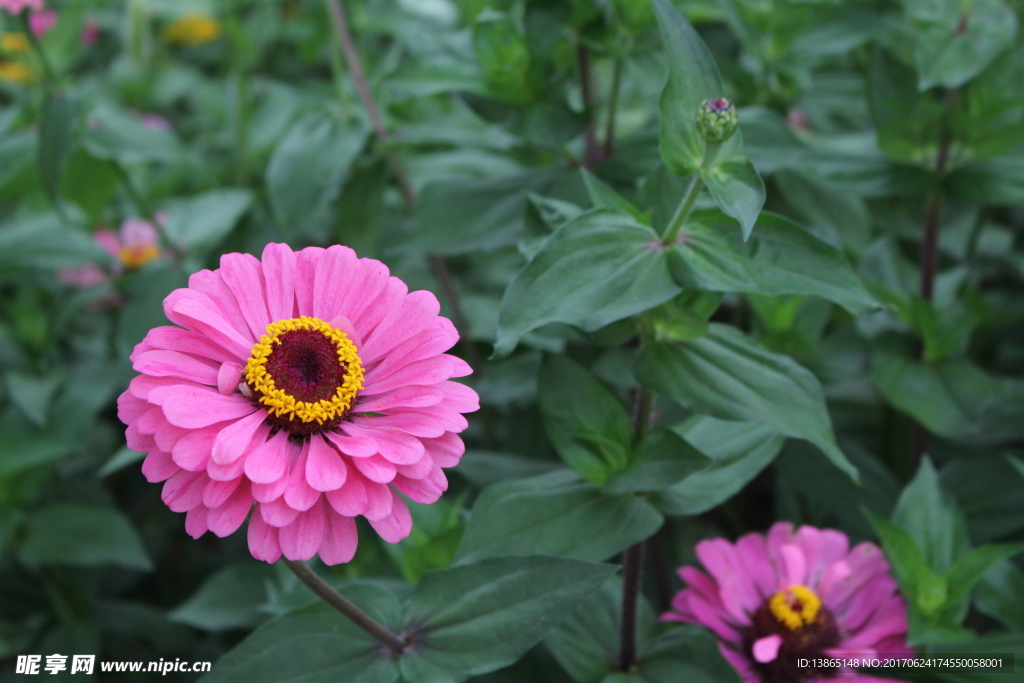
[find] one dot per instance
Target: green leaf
(909, 123)
(594, 270)
(967, 571)
(32, 394)
(229, 599)
(931, 517)
(602, 196)
(739, 451)
(692, 78)
(586, 643)
(574, 405)
(484, 468)
(1000, 595)
(687, 653)
(118, 461)
(309, 167)
(994, 181)
(830, 211)
(505, 57)
(45, 242)
(204, 220)
(953, 397)
(119, 136)
(907, 560)
(316, 645)
(460, 216)
(729, 376)
(659, 461)
(90, 182)
(955, 41)
(554, 514)
(81, 535)
(58, 125)
(737, 189)
(478, 618)
(780, 258)
(17, 151)
(435, 536)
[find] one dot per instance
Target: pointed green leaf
(554, 514)
(594, 270)
(602, 196)
(730, 376)
(967, 571)
(660, 460)
(737, 189)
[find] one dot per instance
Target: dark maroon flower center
(809, 639)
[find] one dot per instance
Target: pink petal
(446, 451)
(351, 499)
(229, 376)
(262, 537)
(433, 341)
(279, 265)
(459, 397)
(407, 397)
(130, 407)
(158, 466)
(184, 490)
(226, 519)
(340, 540)
(216, 492)
(268, 461)
(393, 445)
(739, 595)
(418, 490)
(305, 272)
(395, 526)
(362, 446)
(429, 371)
(301, 539)
(380, 500)
(186, 341)
(278, 513)
(369, 279)
(211, 285)
(345, 325)
(375, 468)
(416, 423)
(265, 493)
(334, 273)
(752, 550)
(413, 315)
(418, 470)
(192, 451)
(196, 312)
(325, 470)
(195, 521)
(234, 440)
(138, 442)
(767, 649)
(174, 364)
(795, 565)
(299, 494)
(242, 279)
(193, 407)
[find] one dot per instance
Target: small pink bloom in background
(155, 121)
(797, 119)
(306, 388)
(16, 6)
(90, 33)
(42, 22)
(795, 591)
(137, 244)
(82, 277)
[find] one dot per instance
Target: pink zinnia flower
(311, 384)
(42, 22)
(796, 591)
(16, 6)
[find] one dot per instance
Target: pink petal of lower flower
(229, 376)
(351, 499)
(333, 274)
(357, 446)
(279, 266)
(184, 490)
(192, 451)
(393, 445)
(263, 542)
(173, 364)
(278, 513)
(380, 500)
(325, 469)
(301, 539)
(404, 397)
(340, 539)
(767, 649)
(234, 440)
(217, 492)
(375, 468)
(417, 490)
(299, 494)
(245, 283)
(395, 526)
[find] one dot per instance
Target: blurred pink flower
(796, 591)
(16, 6)
(42, 22)
(137, 244)
(90, 33)
(82, 277)
(797, 119)
(307, 388)
(155, 121)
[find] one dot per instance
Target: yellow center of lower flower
(796, 607)
(305, 371)
(14, 42)
(193, 29)
(136, 257)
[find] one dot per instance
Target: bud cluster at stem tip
(717, 119)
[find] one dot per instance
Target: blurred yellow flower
(15, 71)
(14, 42)
(192, 30)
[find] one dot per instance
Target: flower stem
(633, 558)
(613, 104)
(386, 636)
(592, 153)
(683, 212)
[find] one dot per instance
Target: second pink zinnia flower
(311, 385)
(797, 591)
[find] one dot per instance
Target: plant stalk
(592, 153)
(683, 212)
(386, 636)
(613, 105)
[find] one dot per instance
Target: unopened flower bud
(717, 119)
